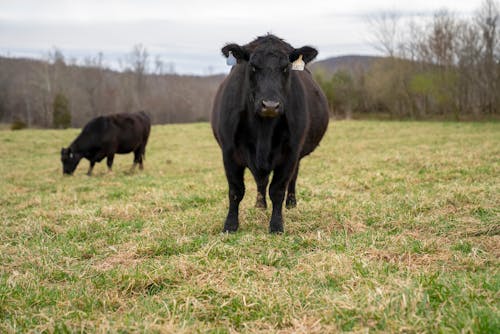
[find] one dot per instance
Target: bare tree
(385, 30)
(28, 89)
(159, 65)
(468, 53)
(138, 61)
(487, 19)
(442, 38)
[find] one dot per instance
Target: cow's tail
(148, 130)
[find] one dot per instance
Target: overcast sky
(190, 33)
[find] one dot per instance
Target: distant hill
(350, 63)
(28, 89)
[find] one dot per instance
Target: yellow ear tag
(231, 60)
(298, 64)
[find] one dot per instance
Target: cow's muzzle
(270, 108)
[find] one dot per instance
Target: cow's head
(268, 63)
(69, 160)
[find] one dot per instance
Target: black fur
(105, 136)
(267, 117)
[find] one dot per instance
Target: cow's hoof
(276, 228)
(291, 202)
(230, 230)
(230, 227)
(260, 204)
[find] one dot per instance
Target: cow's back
(97, 125)
(129, 131)
(95, 132)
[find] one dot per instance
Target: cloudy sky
(190, 33)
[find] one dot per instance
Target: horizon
(120, 68)
(188, 41)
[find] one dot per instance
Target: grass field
(397, 229)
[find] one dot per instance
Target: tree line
(59, 93)
(443, 67)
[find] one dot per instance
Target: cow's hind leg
(291, 200)
(234, 175)
(262, 181)
(138, 158)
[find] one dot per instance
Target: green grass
(397, 229)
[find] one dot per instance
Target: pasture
(396, 229)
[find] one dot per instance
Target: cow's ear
(237, 51)
(308, 54)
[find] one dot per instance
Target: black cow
(105, 136)
(267, 116)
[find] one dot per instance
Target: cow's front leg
(96, 158)
(281, 177)
(234, 174)
(91, 167)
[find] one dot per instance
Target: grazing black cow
(267, 115)
(105, 136)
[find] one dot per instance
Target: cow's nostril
(270, 104)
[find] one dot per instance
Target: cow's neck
(76, 145)
(80, 145)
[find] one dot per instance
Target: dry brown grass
(396, 230)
